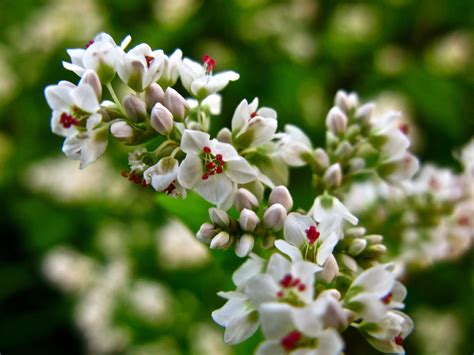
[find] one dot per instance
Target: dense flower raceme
(323, 273)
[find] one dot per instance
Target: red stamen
(209, 63)
(295, 282)
(301, 287)
(405, 128)
(205, 176)
(90, 43)
(464, 221)
(206, 150)
(124, 173)
(149, 59)
(219, 157)
(280, 294)
(387, 298)
(286, 281)
(210, 165)
(67, 120)
(253, 114)
(171, 187)
(312, 234)
(219, 170)
(289, 342)
(398, 340)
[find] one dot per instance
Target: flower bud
(374, 238)
(281, 195)
(355, 232)
(356, 164)
(101, 57)
(349, 262)
(135, 108)
(321, 158)
(274, 217)
(330, 269)
(336, 121)
(343, 151)
(122, 131)
(221, 241)
(375, 250)
(90, 77)
(161, 119)
(345, 101)
(333, 175)
(206, 232)
(153, 94)
(248, 220)
(245, 199)
(176, 104)
(357, 246)
(224, 136)
(219, 217)
(244, 245)
(364, 113)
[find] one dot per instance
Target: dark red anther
(464, 221)
(295, 282)
(67, 120)
(387, 298)
(219, 170)
(289, 342)
(253, 114)
(219, 157)
(144, 183)
(301, 287)
(286, 281)
(206, 150)
(205, 176)
(312, 234)
(149, 59)
(398, 340)
(124, 173)
(280, 294)
(209, 63)
(90, 43)
(405, 128)
(210, 165)
(171, 187)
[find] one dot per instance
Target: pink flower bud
(122, 131)
(206, 233)
(154, 94)
(333, 175)
(219, 217)
(248, 220)
(224, 135)
(176, 104)
(244, 245)
(274, 217)
(336, 121)
(90, 77)
(135, 108)
(221, 241)
(245, 199)
(281, 195)
(161, 119)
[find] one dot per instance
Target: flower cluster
(322, 273)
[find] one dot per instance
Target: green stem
(116, 99)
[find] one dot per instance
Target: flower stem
(115, 98)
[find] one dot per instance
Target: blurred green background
(91, 264)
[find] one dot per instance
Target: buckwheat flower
(388, 335)
(213, 168)
(99, 55)
(164, 177)
(306, 239)
(329, 207)
(387, 136)
(285, 335)
(211, 104)
(72, 105)
(374, 292)
(295, 146)
(171, 65)
(198, 79)
(252, 126)
(87, 146)
(140, 66)
(283, 281)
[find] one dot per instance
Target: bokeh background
(91, 264)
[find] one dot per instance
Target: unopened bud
(355, 232)
(374, 238)
(161, 119)
(274, 217)
(90, 77)
(281, 195)
(248, 220)
(333, 175)
(336, 121)
(345, 101)
(343, 151)
(153, 94)
(330, 269)
(244, 245)
(206, 232)
(135, 108)
(349, 262)
(245, 199)
(122, 131)
(375, 250)
(176, 104)
(364, 113)
(321, 158)
(221, 241)
(356, 164)
(219, 217)
(357, 246)
(224, 136)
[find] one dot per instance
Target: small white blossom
(164, 177)
(295, 146)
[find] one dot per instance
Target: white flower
(213, 168)
(374, 292)
(198, 79)
(171, 66)
(163, 177)
(295, 146)
(252, 126)
(285, 334)
(387, 335)
(99, 55)
(72, 105)
(212, 104)
(303, 233)
(87, 146)
(283, 281)
(388, 136)
(326, 207)
(140, 66)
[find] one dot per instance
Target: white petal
(270, 347)
(190, 171)
(85, 98)
(376, 280)
(214, 103)
(58, 97)
(278, 267)
(326, 248)
(276, 320)
(216, 189)
(267, 112)
(94, 146)
(253, 266)
(227, 151)
(261, 289)
(261, 130)
(296, 225)
(76, 55)
(194, 141)
(233, 308)
(369, 307)
(241, 328)
(330, 343)
(79, 71)
(240, 171)
(286, 248)
(240, 119)
(298, 135)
